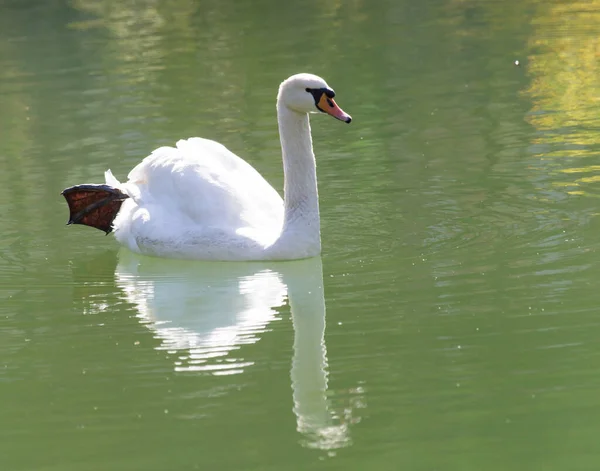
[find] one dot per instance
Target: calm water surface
(451, 322)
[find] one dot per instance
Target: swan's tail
(95, 205)
(111, 180)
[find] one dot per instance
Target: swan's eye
(321, 93)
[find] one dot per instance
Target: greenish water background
(452, 321)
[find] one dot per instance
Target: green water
(451, 322)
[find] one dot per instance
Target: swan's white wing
(200, 182)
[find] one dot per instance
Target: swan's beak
(329, 106)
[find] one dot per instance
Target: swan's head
(307, 93)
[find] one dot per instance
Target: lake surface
(452, 322)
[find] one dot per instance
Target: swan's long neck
(301, 227)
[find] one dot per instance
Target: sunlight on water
(565, 93)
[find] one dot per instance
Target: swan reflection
(204, 312)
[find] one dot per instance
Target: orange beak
(329, 106)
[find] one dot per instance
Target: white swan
(198, 200)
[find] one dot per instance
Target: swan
(198, 200)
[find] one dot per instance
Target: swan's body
(198, 200)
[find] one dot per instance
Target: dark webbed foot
(94, 205)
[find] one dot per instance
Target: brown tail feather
(94, 205)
